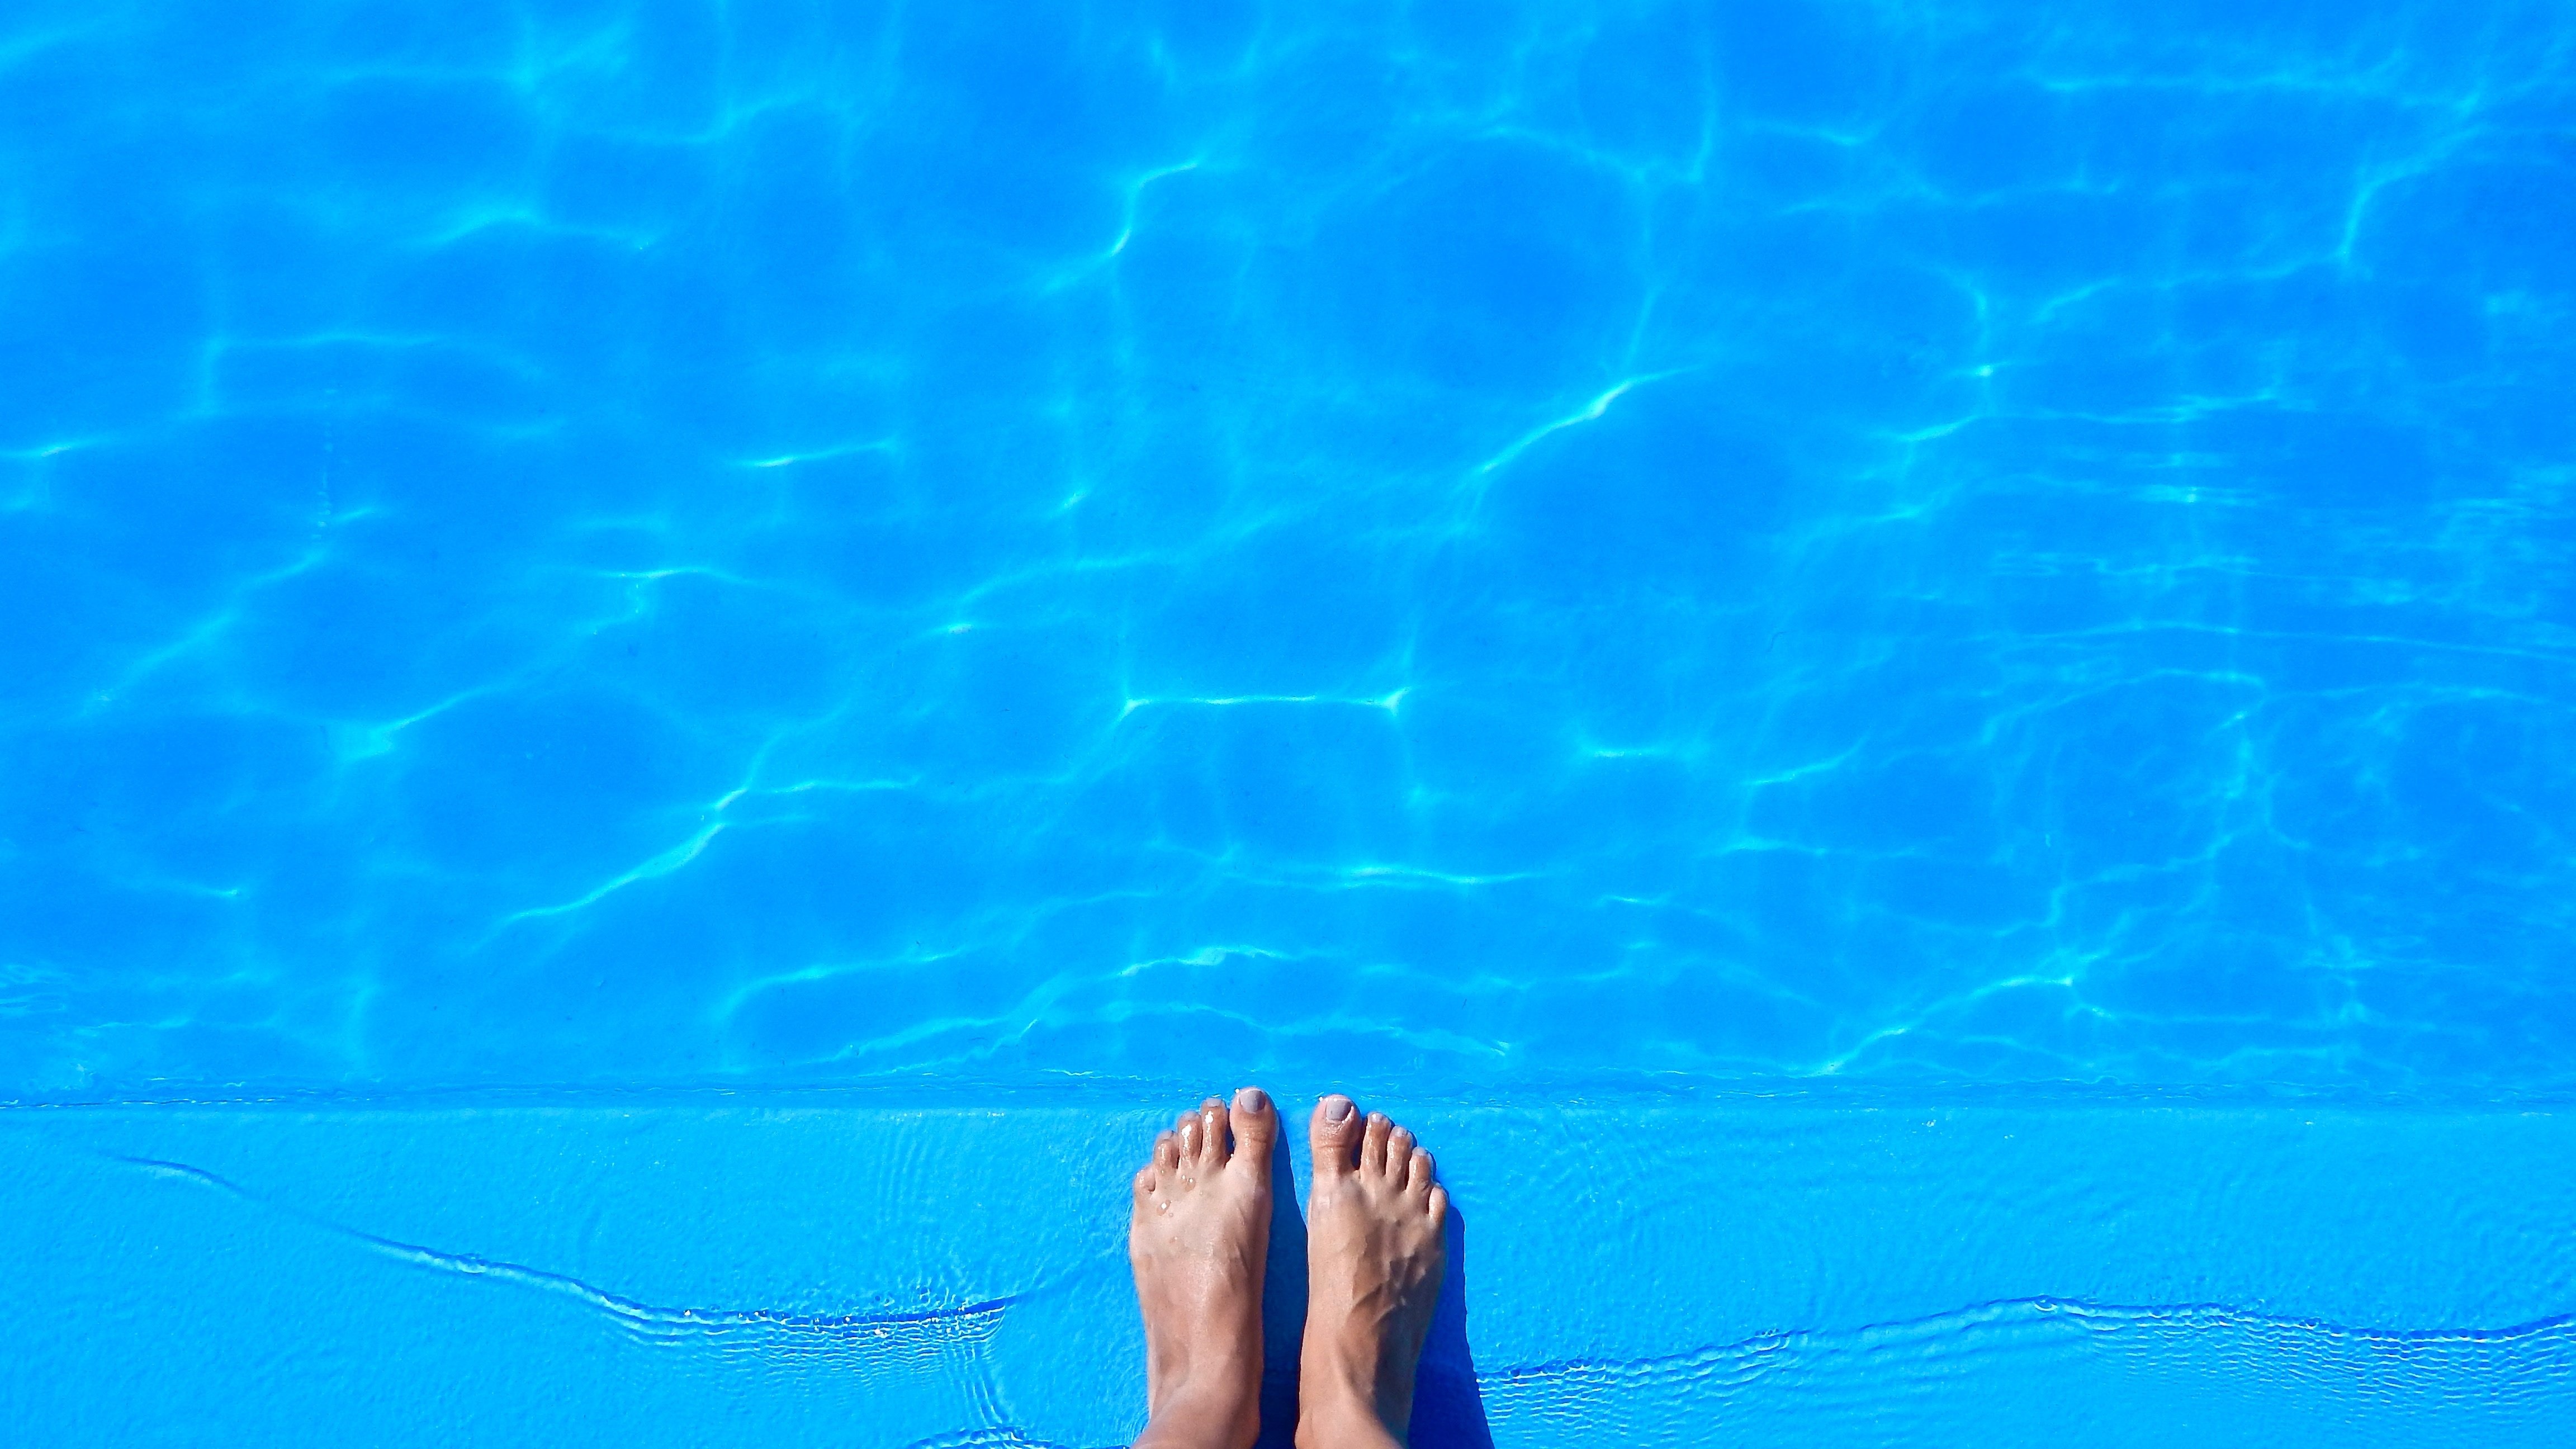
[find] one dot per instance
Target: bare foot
(1374, 1257)
(1198, 1239)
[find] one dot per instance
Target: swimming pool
(1906, 668)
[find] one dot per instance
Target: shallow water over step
(697, 1270)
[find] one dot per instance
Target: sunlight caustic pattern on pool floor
(772, 542)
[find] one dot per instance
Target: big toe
(1256, 1128)
(1334, 1133)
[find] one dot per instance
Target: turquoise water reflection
(625, 543)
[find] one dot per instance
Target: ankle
(1339, 1405)
(1340, 1420)
(1217, 1410)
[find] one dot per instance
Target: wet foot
(1198, 1240)
(1374, 1256)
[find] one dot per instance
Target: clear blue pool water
(620, 622)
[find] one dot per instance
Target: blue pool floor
(828, 1269)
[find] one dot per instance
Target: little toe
(1373, 1143)
(1334, 1134)
(1256, 1129)
(1144, 1183)
(1439, 1208)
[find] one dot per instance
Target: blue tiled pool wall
(1485, 546)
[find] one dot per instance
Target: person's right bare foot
(1374, 1256)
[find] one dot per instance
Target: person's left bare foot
(1198, 1240)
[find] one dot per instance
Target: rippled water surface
(654, 542)
(1505, 553)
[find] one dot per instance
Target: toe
(1373, 1143)
(1167, 1154)
(1419, 1178)
(1212, 1132)
(1144, 1183)
(1399, 1153)
(1334, 1133)
(1439, 1205)
(1187, 1136)
(1256, 1129)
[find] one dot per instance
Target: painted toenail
(1337, 1110)
(1250, 1099)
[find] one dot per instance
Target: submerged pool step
(695, 1270)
